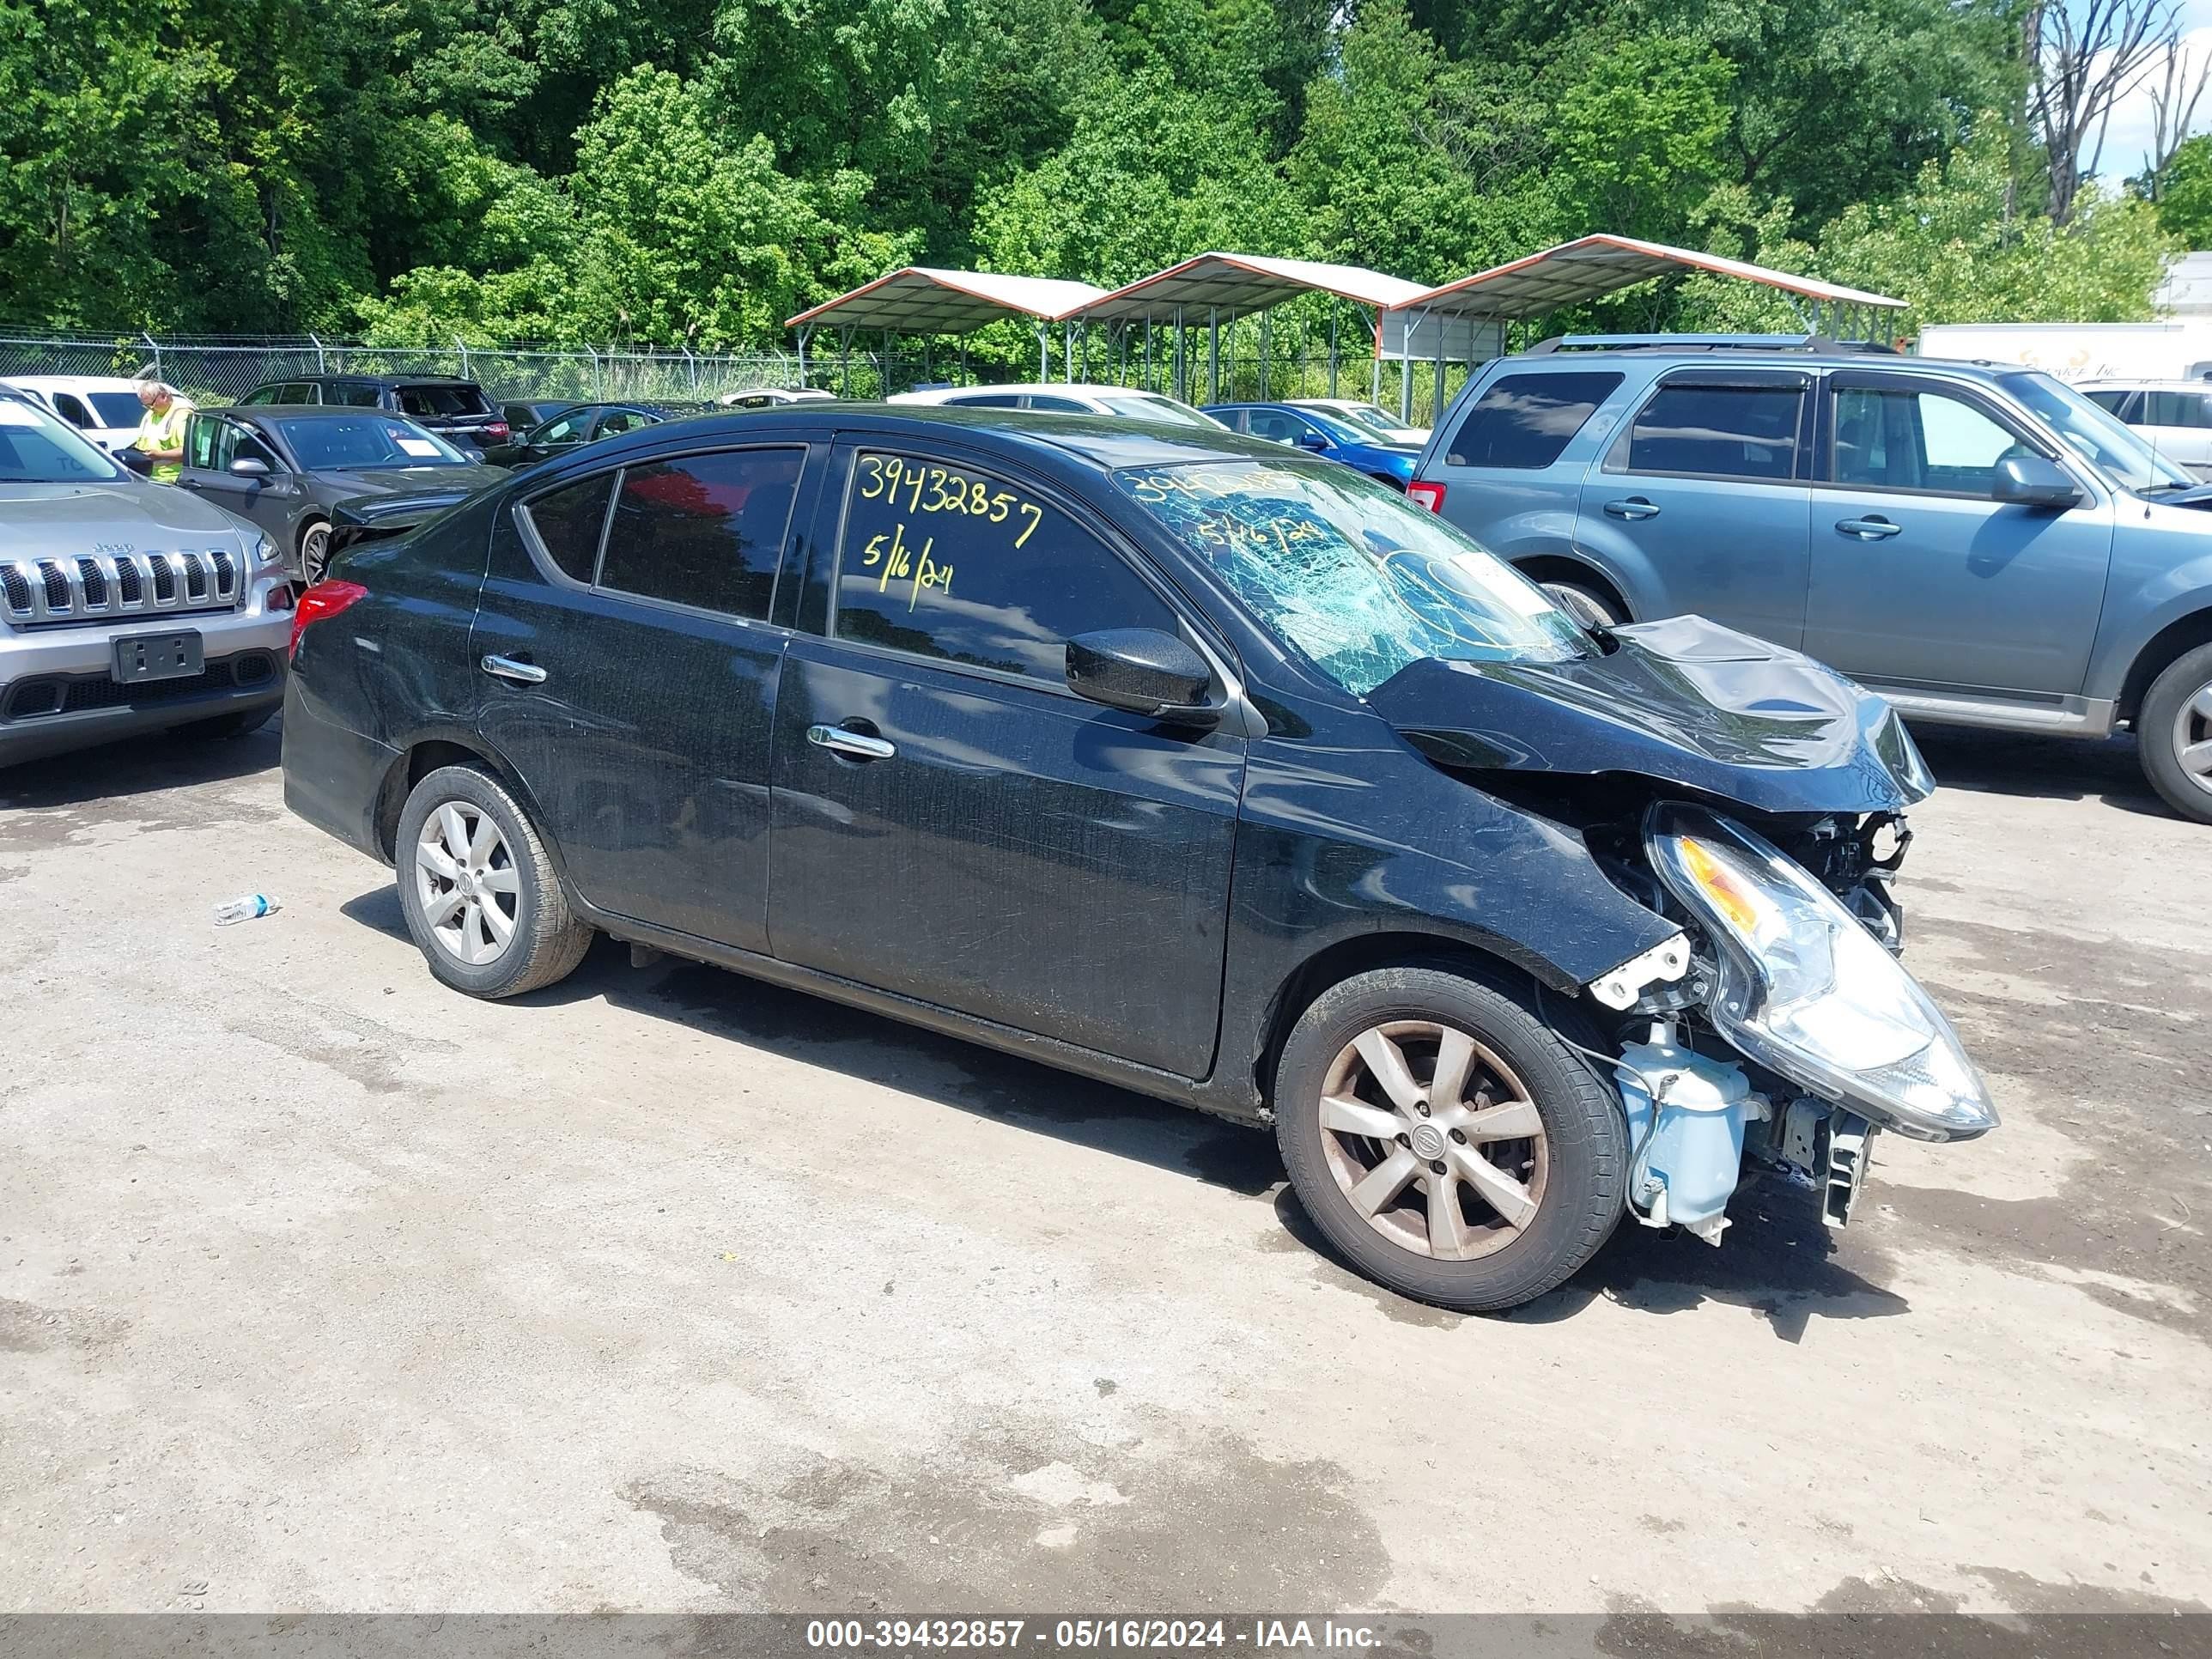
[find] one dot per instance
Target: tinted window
(1899, 439)
(623, 420)
(1717, 431)
(2109, 401)
(442, 400)
(706, 530)
(569, 520)
(354, 394)
(116, 407)
(262, 394)
(72, 411)
(346, 442)
(565, 429)
(1274, 426)
(946, 562)
(297, 392)
(1057, 405)
(1525, 421)
(2177, 409)
(988, 400)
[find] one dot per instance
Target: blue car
(1320, 433)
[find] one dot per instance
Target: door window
(1715, 431)
(567, 521)
(356, 394)
(1057, 405)
(946, 561)
(568, 430)
(1889, 438)
(72, 410)
(2177, 409)
(988, 400)
(2112, 400)
(1275, 425)
(201, 433)
(623, 420)
(704, 530)
(1525, 421)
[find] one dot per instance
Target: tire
(239, 725)
(1571, 1175)
(314, 552)
(2173, 734)
(543, 941)
(1586, 606)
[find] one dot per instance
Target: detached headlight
(1806, 990)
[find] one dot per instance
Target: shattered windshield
(1344, 571)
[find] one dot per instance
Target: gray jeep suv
(1980, 544)
(125, 606)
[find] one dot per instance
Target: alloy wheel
(2192, 738)
(1433, 1139)
(466, 882)
(315, 554)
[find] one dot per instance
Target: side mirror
(1143, 671)
(1312, 441)
(247, 467)
(2033, 480)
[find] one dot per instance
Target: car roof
(1106, 445)
(2145, 383)
(74, 382)
(1660, 359)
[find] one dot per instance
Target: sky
(2128, 138)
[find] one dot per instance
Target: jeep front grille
(37, 591)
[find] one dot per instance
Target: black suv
(459, 411)
(1170, 757)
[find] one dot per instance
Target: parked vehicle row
(125, 606)
(1322, 431)
(1168, 757)
(1984, 546)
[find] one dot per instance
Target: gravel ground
(324, 1288)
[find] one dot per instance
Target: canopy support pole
(1437, 414)
(1406, 370)
(1336, 316)
(1213, 354)
(1375, 355)
(1179, 381)
(803, 333)
(845, 362)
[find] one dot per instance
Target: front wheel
(314, 553)
(2173, 734)
(1586, 605)
(1446, 1140)
(481, 897)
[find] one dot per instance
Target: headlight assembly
(1806, 990)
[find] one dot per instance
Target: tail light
(497, 430)
(1428, 496)
(323, 599)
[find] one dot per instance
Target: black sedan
(286, 468)
(1166, 757)
(525, 414)
(581, 423)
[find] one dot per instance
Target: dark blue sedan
(1320, 433)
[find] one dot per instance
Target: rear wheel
(480, 896)
(314, 552)
(2173, 734)
(1446, 1140)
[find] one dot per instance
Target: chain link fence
(213, 372)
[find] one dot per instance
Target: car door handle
(1873, 529)
(1634, 507)
(858, 745)
(506, 668)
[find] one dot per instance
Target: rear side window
(72, 411)
(946, 562)
(355, 394)
(567, 522)
(1718, 431)
(442, 400)
(990, 400)
(2110, 401)
(2176, 408)
(1526, 420)
(704, 530)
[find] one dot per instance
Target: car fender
(2149, 590)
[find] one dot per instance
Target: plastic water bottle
(246, 909)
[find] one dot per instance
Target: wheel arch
(1576, 572)
(424, 755)
(2177, 639)
(1345, 958)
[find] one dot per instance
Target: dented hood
(1682, 702)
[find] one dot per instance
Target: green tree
(2184, 193)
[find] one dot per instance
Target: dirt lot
(322, 1288)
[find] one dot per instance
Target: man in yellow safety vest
(161, 429)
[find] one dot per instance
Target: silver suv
(125, 606)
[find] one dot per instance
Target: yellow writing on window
(912, 566)
(920, 488)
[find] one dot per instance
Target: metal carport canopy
(1222, 286)
(921, 300)
(1596, 265)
